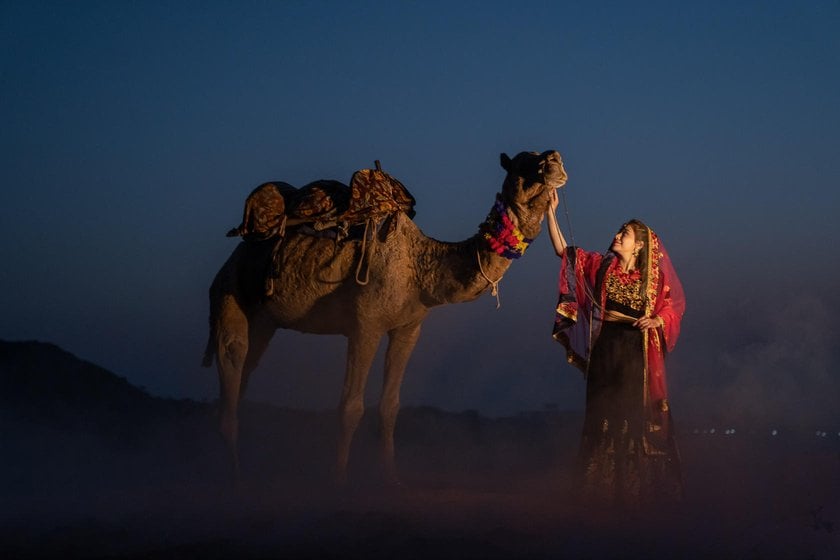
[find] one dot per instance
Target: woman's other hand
(648, 323)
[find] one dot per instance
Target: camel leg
(401, 343)
(259, 335)
(361, 349)
(232, 349)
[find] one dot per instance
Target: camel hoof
(396, 485)
(393, 482)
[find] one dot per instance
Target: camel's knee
(232, 351)
(352, 412)
(388, 412)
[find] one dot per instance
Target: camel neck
(460, 272)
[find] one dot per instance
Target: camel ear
(505, 161)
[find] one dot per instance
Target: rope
(589, 293)
(494, 284)
(274, 267)
(586, 288)
(362, 258)
(568, 219)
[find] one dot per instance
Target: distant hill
(41, 373)
(64, 410)
(43, 384)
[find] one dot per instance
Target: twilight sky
(132, 132)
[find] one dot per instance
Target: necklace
(628, 276)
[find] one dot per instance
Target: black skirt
(628, 455)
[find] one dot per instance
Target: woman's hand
(649, 323)
(557, 239)
(553, 200)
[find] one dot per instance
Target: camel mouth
(557, 183)
(552, 170)
(555, 175)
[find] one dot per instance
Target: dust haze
(95, 467)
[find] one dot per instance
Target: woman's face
(624, 243)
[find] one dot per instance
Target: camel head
(530, 178)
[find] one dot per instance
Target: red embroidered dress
(580, 311)
(627, 447)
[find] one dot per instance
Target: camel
(317, 291)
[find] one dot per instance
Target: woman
(618, 314)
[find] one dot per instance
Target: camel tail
(210, 349)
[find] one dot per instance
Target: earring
(635, 253)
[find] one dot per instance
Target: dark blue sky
(132, 132)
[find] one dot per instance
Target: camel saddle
(327, 207)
